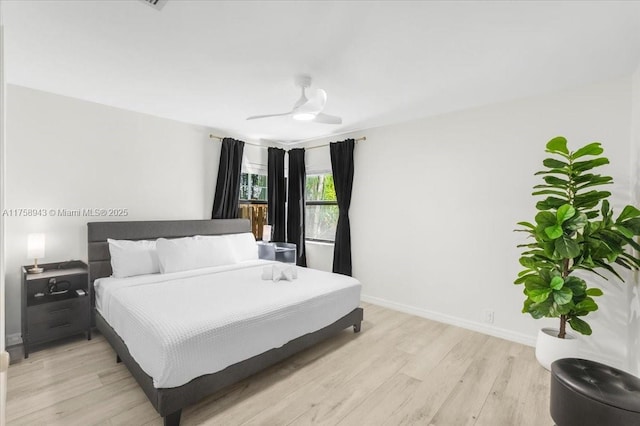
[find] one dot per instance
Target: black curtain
(225, 201)
(342, 166)
(295, 206)
(276, 194)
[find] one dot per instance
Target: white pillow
(243, 246)
(130, 258)
(183, 254)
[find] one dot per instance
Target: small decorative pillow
(130, 258)
(277, 272)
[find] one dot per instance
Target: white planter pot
(550, 348)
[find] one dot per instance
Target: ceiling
(214, 63)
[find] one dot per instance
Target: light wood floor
(400, 369)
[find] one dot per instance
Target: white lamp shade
(35, 246)
(266, 233)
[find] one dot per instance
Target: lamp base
(35, 270)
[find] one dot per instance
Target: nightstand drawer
(44, 331)
(73, 309)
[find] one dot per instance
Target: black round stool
(587, 393)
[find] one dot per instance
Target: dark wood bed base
(169, 402)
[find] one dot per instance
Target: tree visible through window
(321, 208)
(253, 187)
(253, 201)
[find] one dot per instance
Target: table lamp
(35, 250)
(266, 233)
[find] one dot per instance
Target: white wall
(3, 354)
(68, 153)
(634, 290)
(435, 202)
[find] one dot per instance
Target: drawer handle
(59, 310)
(60, 326)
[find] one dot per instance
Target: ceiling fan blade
(327, 119)
(255, 117)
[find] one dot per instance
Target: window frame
(319, 203)
(253, 200)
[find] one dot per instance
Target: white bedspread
(182, 325)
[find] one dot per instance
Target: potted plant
(574, 230)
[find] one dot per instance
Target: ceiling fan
(307, 109)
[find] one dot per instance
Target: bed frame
(169, 402)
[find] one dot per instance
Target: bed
(126, 311)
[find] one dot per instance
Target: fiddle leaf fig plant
(574, 230)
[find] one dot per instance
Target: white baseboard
(449, 319)
(14, 339)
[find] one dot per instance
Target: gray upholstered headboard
(98, 232)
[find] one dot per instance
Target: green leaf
(594, 195)
(564, 213)
(551, 192)
(624, 231)
(594, 292)
(631, 259)
(580, 326)
(587, 305)
(539, 295)
(562, 296)
(540, 310)
(567, 247)
(554, 231)
(577, 222)
(577, 285)
(556, 283)
(527, 225)
(633, 225)
(583, 166)
(521, 279)
(550, 203)
(629, 212)
(594, 181)
(561, 309)
(604, 210)
(590, 199)
(554, 164)
(556, 182)
(564, 172)
(631, 242)
(590, 149)
(591, 214)
(558, 144)
(527, 262)
(535, 282)
(545, 219)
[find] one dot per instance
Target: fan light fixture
(304, 116)
(307, 109)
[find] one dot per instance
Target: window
(253, 201)
(321, 208)
(253, 187)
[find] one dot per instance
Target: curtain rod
(212, 136)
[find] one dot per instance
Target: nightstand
(281, 252)
(53, 305)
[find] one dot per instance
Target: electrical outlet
(488, 316)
